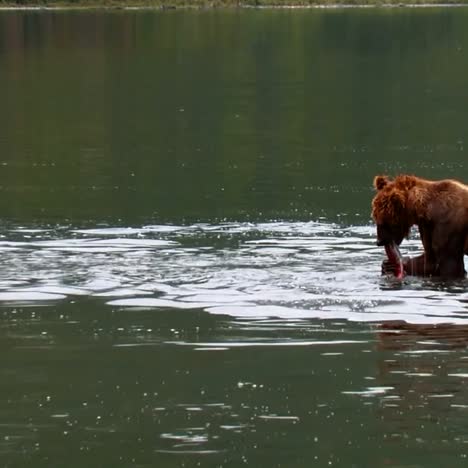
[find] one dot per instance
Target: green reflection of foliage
(198, 115)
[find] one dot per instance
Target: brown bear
(438, 208)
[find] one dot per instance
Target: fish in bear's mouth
(394, 256)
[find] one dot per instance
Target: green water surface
(187, 258)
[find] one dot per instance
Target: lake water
(189, 274)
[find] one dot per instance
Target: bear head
(390, 210)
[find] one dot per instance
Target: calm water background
(188, 270)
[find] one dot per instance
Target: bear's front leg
(452, 267)
(448, 242)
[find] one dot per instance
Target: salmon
(394, 256)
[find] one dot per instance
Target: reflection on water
(213, 343)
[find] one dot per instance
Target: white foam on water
(29, 296)
(370, 391)
(120, 292)
(256, 344)
(148, 302)
(62, 291)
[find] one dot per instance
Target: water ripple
(287, 270)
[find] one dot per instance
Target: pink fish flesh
(394, 256)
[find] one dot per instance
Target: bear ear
(380, 181)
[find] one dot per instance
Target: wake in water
(278, 269)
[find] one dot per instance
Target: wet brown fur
(410, 199)
(438, 208)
